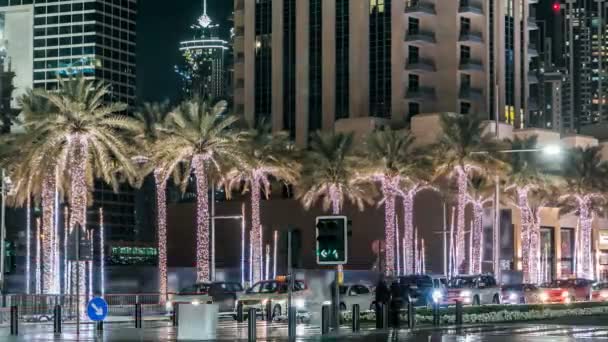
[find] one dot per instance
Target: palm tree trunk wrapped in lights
(199, 168)
(161, 221)
(47, 237)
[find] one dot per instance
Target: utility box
(197, 322)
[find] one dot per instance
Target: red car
(566, 291)
(599, 292)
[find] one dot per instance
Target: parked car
(223, 293)
(520, 294)
(599, 292)
(566, 291)
(473, 289)
(275, 292)
(356, 294)
(421, 289)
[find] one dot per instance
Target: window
(465, 81)
(413, 82)
(465, 107)
(465, 54)
(413, 25)
(413, 108)
(465, 25)
(413, 54)
(362, 289)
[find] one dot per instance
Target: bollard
(14, 320)
(57, 319)
(138, 316)
(395, 313)
(356, 316)
(251, 333)
(325, 319)
(381, 316)
(436, 314)
(459, 312)
(175, 314)
(239, 312)
(268, 311)
(291, 323)
(100, 326)
(411, 315)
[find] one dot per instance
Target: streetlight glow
(552, 150)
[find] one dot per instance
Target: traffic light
(556, 7)
(332, 240)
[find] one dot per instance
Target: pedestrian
(383, 293)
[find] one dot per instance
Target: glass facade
(289, 67)
(567, 252)
(547, 254)
(342, 58)
(315, 92)
(380, 58)
(263, 60)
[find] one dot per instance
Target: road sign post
(97, 309)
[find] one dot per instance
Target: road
(579, 329)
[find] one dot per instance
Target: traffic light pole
(336, 299)
(291, 320)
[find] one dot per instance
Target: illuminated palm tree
(196, 140)
(585, 176)
(329, 174)
(264, 157)
(152, 116)
(76, 139)
(460, 153)
(524, 175)
(480, 194)
(391, 160)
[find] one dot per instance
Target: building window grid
(263, 60)
(289, 66)
(342, 58)
(315, 99)
(380, 58)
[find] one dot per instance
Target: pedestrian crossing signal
(332, 240)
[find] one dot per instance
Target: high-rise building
(203, 71)
(305, 64)
(96, 38)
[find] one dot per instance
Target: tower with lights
(203, 71)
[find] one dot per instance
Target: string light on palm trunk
(243, 244)
(199, 166)
(251, 243)
(335, 194)
(267, 261)
(28, 243)
(48, 205)
(408, 232)
(459, 248)
(161, 221)
(523, 206)
(38, 266)
(66, 272)
(256, 229)
(56, 243)
(90, 265)
(102, 256)
(390, 186)
(274, 259)
(398, 257)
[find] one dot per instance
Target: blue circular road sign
(97, 309)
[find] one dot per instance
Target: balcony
(420, 7)
(532, 25)
(470, 94)
(418, 36)
(421, 93)
(420, 64)
(470, 7)
(532, 78)
(471, 65)
(532, 52)
(470, 37)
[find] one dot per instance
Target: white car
(351, 294)
(275, 293)
(473, 289)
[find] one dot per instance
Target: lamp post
(549, 150)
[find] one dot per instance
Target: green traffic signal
(331, 232)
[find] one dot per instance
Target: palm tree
(152, 116)
(390, 157)
(197, 139)
(462, 152)
(523, 176)
(481, 193)
(329, 174)
(585, 175)
(264, 157)
(538, 198)
(75, 140)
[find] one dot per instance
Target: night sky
(161, 25)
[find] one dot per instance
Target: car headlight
(565, 294)
(513, 296)
(437, 295)
(327, 302)
(195, 302)
(299, 303)
(544, 296)
(169, 306)
(465, 293)
(604, 294)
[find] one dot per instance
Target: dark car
(421, 289)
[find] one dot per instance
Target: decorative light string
(251, 243)
(256, 228)
(90, 264)
(28, 243)
(161, 221)
(38, 266)
(524, 209)
(459, 248)
(66, 272)
(397, 239)
(199, 167)
(102, 256)
(405, 272)
(267, 261)
(274, 251)
(57, 241)
(243, 258)
(335, 197)
(423, 258)
(416, 257)
(390, 186)
(408, 232)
